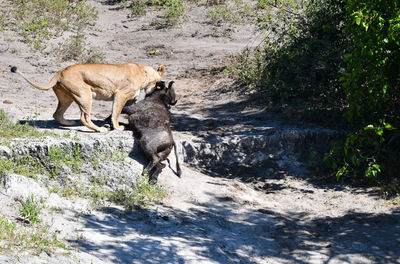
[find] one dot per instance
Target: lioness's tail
(52, 82)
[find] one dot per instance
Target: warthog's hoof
(153, 181)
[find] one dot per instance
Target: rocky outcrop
(89, 144)
(289, 150)
(102, 163)
(261, 154)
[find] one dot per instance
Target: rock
(6, 260)
(20, 187)
(100, 169)
(5, 151)
(280, 149)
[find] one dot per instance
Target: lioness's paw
(103, 129)
(120, 128)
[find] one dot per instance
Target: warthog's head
(167, 94)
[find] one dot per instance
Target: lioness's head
(152, 77)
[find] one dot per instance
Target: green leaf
(341, 172)
(377, 167)
(369, 127)
(388, 126)
(372, 170)
(384, 89)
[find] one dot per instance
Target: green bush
(40, 20)
(174, 11)
(58, 157)
(138, 8)
(17, 237)
(76, 48)
(30, 210)
(373, 69)
(222, 15)
(301, 59)
(26, 165)
(338, 56)
(372, 89)
(142, 195)
(10, 129)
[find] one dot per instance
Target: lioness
(83, 82)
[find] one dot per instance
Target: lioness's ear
(161, 70)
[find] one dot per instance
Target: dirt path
(205, 219)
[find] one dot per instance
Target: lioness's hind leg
(84, 101)
(85, 106)
(85, 119)
(64, 101)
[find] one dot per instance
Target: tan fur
(81, 82)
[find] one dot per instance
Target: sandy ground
(205, 219)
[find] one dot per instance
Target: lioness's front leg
(120, 100)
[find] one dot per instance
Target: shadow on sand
(52, 124)
(222, 233)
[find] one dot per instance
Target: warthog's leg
(159, 166)
(178, 168)
(156, 171)
(153, 162)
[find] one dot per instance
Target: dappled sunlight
(223, 231)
